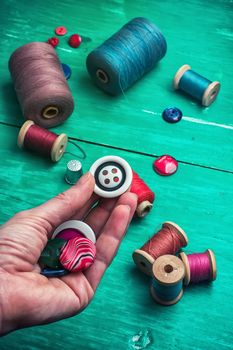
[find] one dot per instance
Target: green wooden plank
(200, 200)
(197, 33)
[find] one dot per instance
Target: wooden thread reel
(190, 273)
(147, 254)
(196, 85)
(102, 76)
(42, 141)
(145, 195)
(50, 112)
(168, 273)
(144, 208)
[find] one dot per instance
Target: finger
(108, 243)
(81, 213)
(99, 215)
(66, 204)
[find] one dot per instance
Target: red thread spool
(42, 141)
(145, 195)
(168, 240)
(199, 267)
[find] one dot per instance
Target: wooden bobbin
(59, 145)
(144, 208)
(102, 76)
(50, 112)
(167, 270)
(144, 261)
(179, 75)
(210, 93)
(213, 266)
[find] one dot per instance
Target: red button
(53, 41)
(165, 165)
(61, 30)
(75, 40)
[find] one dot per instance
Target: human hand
(28, 298)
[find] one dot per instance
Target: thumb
(66, 204)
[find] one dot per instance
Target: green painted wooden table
(198, 197)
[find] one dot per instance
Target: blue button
(53, 272)
(66, 70)
(172, 114)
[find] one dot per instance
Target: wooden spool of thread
(40, 84)
(196, 85)
(168, 273)
(145, 195)
(168, 240)
(199, 267)
(42, 141)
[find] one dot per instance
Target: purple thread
(200, 267)
(39, 83)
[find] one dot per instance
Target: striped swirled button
(78, 254)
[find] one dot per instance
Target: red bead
(75, 40)
(60, 30)
(165, 165)
(53, 41)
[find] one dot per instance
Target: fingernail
(84, 178)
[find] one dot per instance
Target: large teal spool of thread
(202, 89)
(126, 56)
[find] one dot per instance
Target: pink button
(165, 165)
(68, 234)
(61, 30)
(77, 254)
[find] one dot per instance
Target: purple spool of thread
(199, 267)
(40, 84)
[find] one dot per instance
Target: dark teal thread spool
(200, 88)
(167, 285)
(126, 56)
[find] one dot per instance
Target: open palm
(26, 297)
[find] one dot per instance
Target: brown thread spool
(40, 84)
(147, 254)
(54, 147)
(168, 273)
(212, 262)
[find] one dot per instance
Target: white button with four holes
(113, 176)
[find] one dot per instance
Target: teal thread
(194, 84)
(126, 56)
(167, 292)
